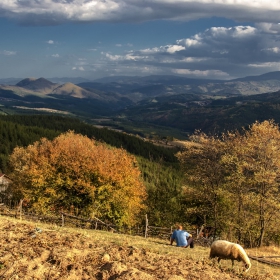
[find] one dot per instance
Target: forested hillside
(188, 112)
(21, 130)
(159, 166)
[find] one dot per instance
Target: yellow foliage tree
(233, 181)
(75, 173)
(253, 162)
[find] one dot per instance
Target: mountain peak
(40, 84)
(25, 82)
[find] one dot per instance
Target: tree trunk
(261, 237)
(262, 223)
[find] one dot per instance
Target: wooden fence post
(198, 235)
(19, 209)
(62, 220)
(146, 229)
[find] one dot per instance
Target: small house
(4, 182)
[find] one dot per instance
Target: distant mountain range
(63, 80)
(164, 101)
(165, 84)
(45, 87)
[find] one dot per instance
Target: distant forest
(22, 130)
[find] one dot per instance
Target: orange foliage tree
(75, 173)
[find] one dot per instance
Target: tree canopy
(75, 173)
(233, 182)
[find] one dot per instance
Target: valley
(152, 106)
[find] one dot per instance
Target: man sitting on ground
(182, 238)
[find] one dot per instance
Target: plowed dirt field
(30, 250)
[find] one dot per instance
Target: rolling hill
(38, 85)
(209, 115)
(153, 102)
(34, 95)
(72, 90)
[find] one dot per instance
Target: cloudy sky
(221, 39)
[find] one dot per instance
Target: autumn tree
(253, 162)
(233, 181)
(75, 173)
(205, 197)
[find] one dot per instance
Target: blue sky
(217, 39)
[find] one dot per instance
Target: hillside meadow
(31, 250)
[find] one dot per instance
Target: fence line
(91, 223)
(162, 232)
(262, 260)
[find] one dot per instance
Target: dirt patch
(32, 252)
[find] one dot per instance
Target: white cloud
(55, 55)
(206, 73)
(244, 31)
(189, 42)
(211, 43)
(193, 59)
(5, 52)
(274, 65)
(151, 51)
(269, 27)
(217, 52)
(81, 68)
(274, 50)
(51, 42)
(163, 49)
(58, 11)
(128, 56)
(174, 48)
(124, 45)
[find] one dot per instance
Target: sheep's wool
(227, 250)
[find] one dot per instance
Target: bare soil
(38, 251)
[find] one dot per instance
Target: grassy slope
(68, 253)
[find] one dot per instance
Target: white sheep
(227, 250)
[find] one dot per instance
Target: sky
(209, 39)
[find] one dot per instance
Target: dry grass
(266, 251)
(69, 253)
